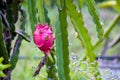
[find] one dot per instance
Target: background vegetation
(84, 29)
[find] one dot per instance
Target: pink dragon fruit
(43, 38)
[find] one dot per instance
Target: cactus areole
(43, 38)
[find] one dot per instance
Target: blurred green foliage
(27, 65)
(80, 28)
(3, 67)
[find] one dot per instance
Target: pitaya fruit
(43, 38)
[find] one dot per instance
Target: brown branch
(106, 47)
(115, 41)
(40, 65)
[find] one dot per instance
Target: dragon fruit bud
(43, 38)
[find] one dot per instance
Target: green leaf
(62, 51)
(81, 30)
(93, 11)
(40, 8)
(32, 13)
(3, 50)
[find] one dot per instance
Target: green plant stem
(107, 4)
(65, 43)
(80, 3)
(32, 13)
(62, 52)
(108, 30)
(59, 54)
(41, 12)
(3, 51)
(51, 69)
(16, 49)
(80, 29)
(93, 11)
